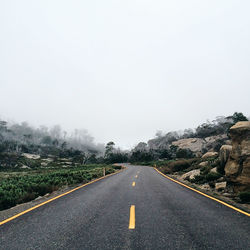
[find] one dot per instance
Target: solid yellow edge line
(132, 217)
(133, 184)
(52, 199)
(208, 196)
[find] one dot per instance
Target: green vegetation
(57, 159)
(172, 166)
(245, 196)
(206, 177)
(19, 187)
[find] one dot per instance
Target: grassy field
(22, 186)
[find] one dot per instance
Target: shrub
(220, 169)
(23, 188)
(199, 179)
(180, 165)
(206, 177)
(117, 167)
(245, 196)
(205, 170)
(212, 176)
(184, 153)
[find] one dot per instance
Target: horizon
(117, 145)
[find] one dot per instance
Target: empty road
(135, 209)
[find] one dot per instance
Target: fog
(123, 70)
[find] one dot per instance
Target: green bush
(203, 178)
(184, 153)
(199, 179)
(205, 170)
(245, 196)
(212, 176)
(180, 165)
(117, 167)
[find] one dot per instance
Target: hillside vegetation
(22, 186)
(37, 161)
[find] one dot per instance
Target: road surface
(164, 215)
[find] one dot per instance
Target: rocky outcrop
(237, 168)
(209, 154)
(198, 144)
(211, 141)
(194, 144)
(225, 151)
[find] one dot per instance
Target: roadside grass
(19, 187)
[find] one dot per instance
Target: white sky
(124, 69)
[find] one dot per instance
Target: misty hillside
(209, 136)
(22, 138)
(18, 139)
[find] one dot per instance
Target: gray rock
(204, 164)
(220, 185)
(209, 154)
(191, 174)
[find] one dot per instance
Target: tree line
(79, 145)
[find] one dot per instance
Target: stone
(224, 154)
(194, 144)
(213, 170)
(211, 141)
(204, 164)
(220, 185)
(48, 160)
(232, 168)
(25, 167)
(237, 168)
(227, 195)
(31, 156)
(205, 187)
(191, 174)
(221, 179)
(209, 154)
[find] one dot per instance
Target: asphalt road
(167, 216)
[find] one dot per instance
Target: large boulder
(225, 151)
(209, 154)
(194, 144)
(237, 168)
(191, 174)
(212, 141)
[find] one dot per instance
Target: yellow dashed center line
(132, 217)
(133, 184)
